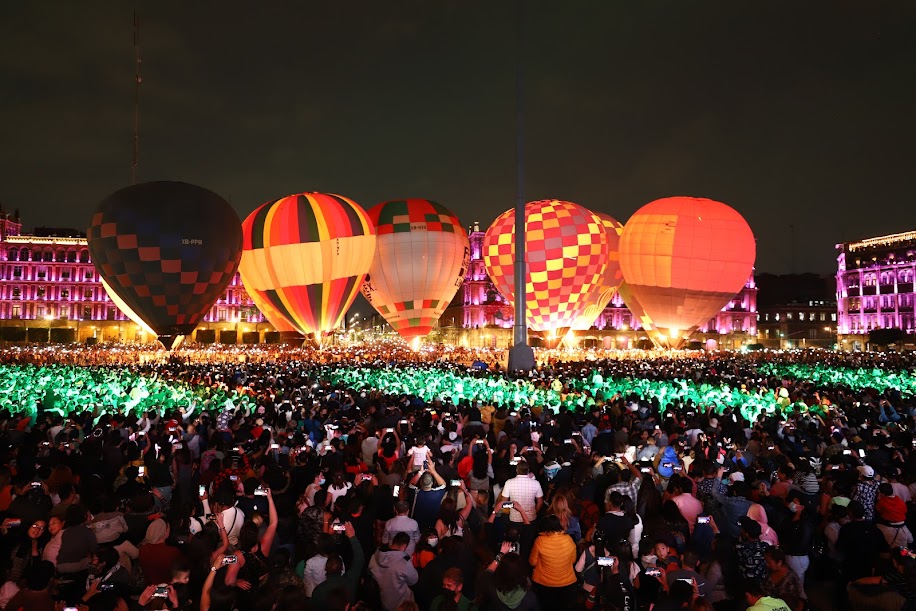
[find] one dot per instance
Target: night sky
(795, 113)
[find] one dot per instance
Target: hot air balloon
(566, 252)
(272, 315)
(600, 297)
(639, 315)
(421, 256)
(306, 256)
(167, 251)
(683, 259)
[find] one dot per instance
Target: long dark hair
(511, 573)
(480, 465)
(448, 513)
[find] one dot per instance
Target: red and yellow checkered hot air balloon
(422, 255)
(305, 256)
(566, 252)
(600, 297)
(683, 259)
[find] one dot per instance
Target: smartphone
(162, 591)
(259, 491)
(234, 478)
(338, 528)
(141, 471)
(231, 559)
(703, 520)
(426, 464)
(402, 422)
(201, 490)
(16, 522)
(275, 446)
(646, 470)
(861, 453)
(654, 572)
(36, 484)
(607, 561)
(567, 441)
(70, 609)
(455, 483)
(847, 452)
(389, 430)
(514, 461)
(677, 468)
(690, 581)
(479, 442)
(396, 491)
(508, 505)
(513, 548)
(211, 516)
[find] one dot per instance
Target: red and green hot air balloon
(422, 255)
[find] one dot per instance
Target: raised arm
(268, 539)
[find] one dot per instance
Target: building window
(65, 275)
(17, 271)
(87, 294)
(801, 316)
(87, 276)
(16, 292)
(64, 293)
(12, 255)
(40, 274)
(40, 292)
(776, 316)
(221, 315)
(17, 311)
(111, 314)
(833, 317)
(788, 315)
(87, 313)
(823, 316)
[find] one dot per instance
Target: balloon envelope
(168, 250)
(273, 316)
(566, 252)
(306, 256)
(602, 295)
(422, 254)
(684, 258)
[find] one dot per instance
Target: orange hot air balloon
(566, 252)
(306, 256)
(639, 315)
(602, 296)
(422, 255)
(683, 259)
(272, 314)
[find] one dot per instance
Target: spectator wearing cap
(866, 491)
(735, 505)
(891, 521)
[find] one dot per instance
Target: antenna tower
(135, 161)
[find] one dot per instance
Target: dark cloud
(796, 113)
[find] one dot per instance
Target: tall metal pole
(135, 161)
(521, 357)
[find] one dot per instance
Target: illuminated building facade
(50, 289)
(875, 287)
(479, 306)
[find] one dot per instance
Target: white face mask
(793, 507)
(649, 559)
(535, 436)
(433, 541)
(452, 435)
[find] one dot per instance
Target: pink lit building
(49, 288)
(478, 305)
(875, 287)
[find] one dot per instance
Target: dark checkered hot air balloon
(305, 257)
(166, 251)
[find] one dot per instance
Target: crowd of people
(284, 482)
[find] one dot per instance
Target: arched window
(84, 256)
(71, 256)
(12, 255)
(48, 256)
(60, 256)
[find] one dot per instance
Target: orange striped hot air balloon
(422, 255)
(566, 252)
(602, 296)
(305, 256)
(683, 259)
